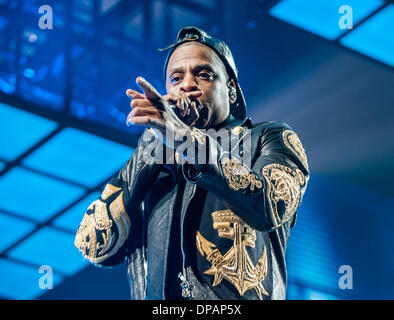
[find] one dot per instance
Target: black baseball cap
(238, 109)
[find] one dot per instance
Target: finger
(151, 119)
(180, 106)
(147, 122)
(185, 108)
(152, 111)
(194, 113)
(140, 103)
(185, 97)
(149, 90)
(170, 97)
(176, 100)
(138, 120)
(200, 105)
(194, 94)
(194, 109)
(134, 94)
(184, 104)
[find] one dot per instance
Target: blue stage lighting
(107, 5)
(322, 17)
(7, 82)
(52, 247)
(2, 165)
(79, 156)
(300, 292)
(20, 130)
(318, 295)
(21, 282)
(12, 229)
(311, 256)
(71, 219)
(3, 22)
(29, 73)
(35, 196)
(58, 65)
(375, 37)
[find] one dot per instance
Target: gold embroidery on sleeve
(95, 235)
(283, 191)
(235, 265)
(238, 176)
(121, 218)
(198, 136)
(109, 190)
(294, 144)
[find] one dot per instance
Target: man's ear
(232, 91)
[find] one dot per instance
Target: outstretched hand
(169, 114)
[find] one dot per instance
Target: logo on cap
(191, 36)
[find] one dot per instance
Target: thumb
(149, 90)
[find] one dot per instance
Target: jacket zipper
(185, 284)
(145, 266)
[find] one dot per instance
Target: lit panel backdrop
(34, 195)
(71, 218)
(372, 39)
(20, 281)
(13, 229)
(48, 179)
(321, 17)
(372, 19)
(78, 156)
(20, 130)
(51, 247)
(2, 165)
(62, 129)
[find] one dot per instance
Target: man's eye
(206, 76)
(175, 79)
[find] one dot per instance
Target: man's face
(195, 67)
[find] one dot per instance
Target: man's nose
(189, 84)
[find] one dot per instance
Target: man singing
(214, 223)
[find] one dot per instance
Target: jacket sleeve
(268, 192)
(105, 229)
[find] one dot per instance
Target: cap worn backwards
(238, 109)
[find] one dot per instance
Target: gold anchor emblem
(235, 265)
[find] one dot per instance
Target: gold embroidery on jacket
(238, 176)
(235, 265)
(198, 136)
(283, 191)
(293, 143)
(95, 235)
(109, 190)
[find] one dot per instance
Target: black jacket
(224, 225)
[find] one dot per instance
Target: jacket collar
(231, 122)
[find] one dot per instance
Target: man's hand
(154, 110)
